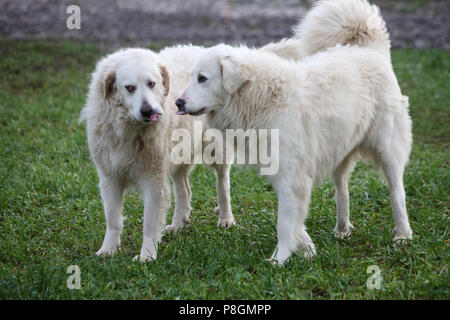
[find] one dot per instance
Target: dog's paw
(177, 225)
(149, 250)
(111, 243)
(402, 239)
(309, 252)
(108, 250)
(226, 223)
(110, 246)
(145, 257)
(343, 232)
(280, 255)
(275, 262)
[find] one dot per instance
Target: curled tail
(333, 22)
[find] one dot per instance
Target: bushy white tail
(333, 22)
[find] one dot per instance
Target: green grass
(51, 213)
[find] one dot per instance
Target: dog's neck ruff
(241, 111)
(144, 133)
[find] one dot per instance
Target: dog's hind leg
(394, 174)
(112, 195)
(340, 177)
(293, 204)
(226, 218)
(182, 199)
(393, 149)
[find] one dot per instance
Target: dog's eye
(201, 78)
(130, 88)
(151, 84)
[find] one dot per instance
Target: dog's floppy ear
(233, 73)
(109, 84)
(165, 79)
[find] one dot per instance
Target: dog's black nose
(146, 110)
(181, 104)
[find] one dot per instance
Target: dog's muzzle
(181, 104)
(148, 113)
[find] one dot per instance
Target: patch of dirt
(418, 24)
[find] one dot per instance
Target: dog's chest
(125, 154)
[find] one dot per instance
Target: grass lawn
(51, 212)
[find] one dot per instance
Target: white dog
(130, 115)
(331, 109)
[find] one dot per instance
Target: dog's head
(139, 82)
(216, 75)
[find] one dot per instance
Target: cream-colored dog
(130, 115)
(331, 109)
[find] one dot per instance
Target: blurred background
(112, 23)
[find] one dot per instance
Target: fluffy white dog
(130, 115)
(331, 109)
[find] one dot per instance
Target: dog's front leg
(293, 203)
(226, 218)
(156, 194)
(112, 194)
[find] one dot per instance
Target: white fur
(330, 109)
(129, 152)
(332, 22)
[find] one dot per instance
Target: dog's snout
(181, 104)
(146, 110)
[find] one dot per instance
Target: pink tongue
(154, 117)
(180, 112)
